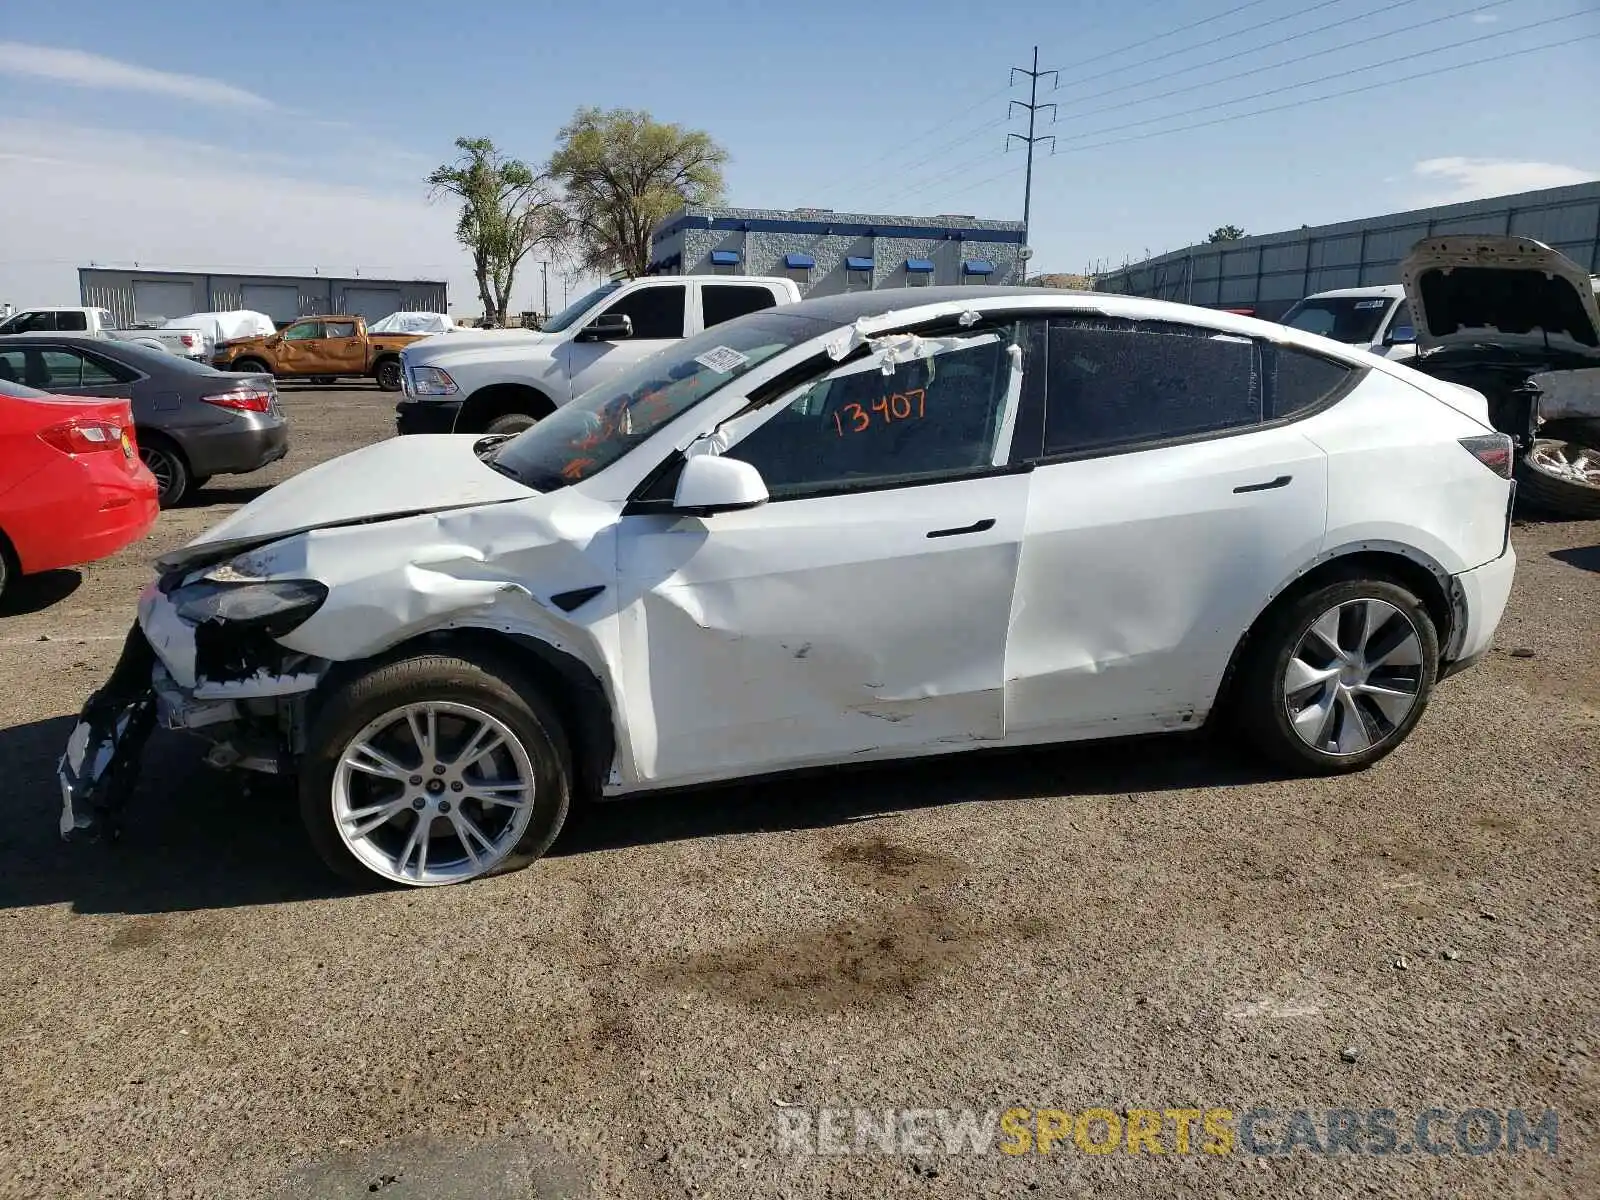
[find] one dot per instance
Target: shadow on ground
(213, 494)
(1585, 558)
(35, 593)
(195, 838)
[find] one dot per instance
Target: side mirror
(711, 484)
(1401, 335)
(607, 327)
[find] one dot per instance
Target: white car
(1377, 319)
(865, 527)
(502, 381)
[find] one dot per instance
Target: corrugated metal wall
(117, 290)
(1270, 272)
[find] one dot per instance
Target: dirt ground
(201, 1010)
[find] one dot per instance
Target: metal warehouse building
(826, 252)
(1270, 272)
(149, 297)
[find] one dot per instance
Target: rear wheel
(434, 770)
(388, 375)
(8, 568)
(1560, 477)
(510, 423)
(1337, 678)
(250, 366)
(165, 462)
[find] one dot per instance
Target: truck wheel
(250, 366)
(510, 423)
(1562, 478)
(388, 374)
(165, 462)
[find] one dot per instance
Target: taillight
(82, 437)
(187, 339)
(244, 400)
(1494, 450)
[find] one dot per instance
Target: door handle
(1280, 481)
(975, 527)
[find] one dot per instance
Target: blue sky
(296, 135)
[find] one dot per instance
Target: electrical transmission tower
(1032, 106)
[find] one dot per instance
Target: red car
(72, 487)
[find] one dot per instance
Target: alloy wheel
(1567, 461)
(433, 793)
(162, 465)
(1354, 677)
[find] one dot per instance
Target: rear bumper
(1482, 593)
(426, 416)
(237, 448)
(80, 511)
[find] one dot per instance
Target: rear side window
(1122, 383)
(656, 312)
(725, 301)
(1299, 382)
(68, 322)
(340, 329)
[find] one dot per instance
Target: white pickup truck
(502, 381)
(99, 322)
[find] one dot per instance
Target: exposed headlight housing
(273, 606)
(431, 381)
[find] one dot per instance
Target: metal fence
(1270, 272)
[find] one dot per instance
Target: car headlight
(274, 606)
(431, 381)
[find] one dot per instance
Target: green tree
(507, 208)
(623, 172)
(1225, 233)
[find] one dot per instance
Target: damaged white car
(865, 527)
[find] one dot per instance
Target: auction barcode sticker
(722, 359)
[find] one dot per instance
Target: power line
(1283, 41)
(1171, 33)
(1382, 83)
(1329, 78)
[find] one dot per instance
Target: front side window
(656, 312)
(32, 322)
(1119, 383)
(578, 307)
(940, 410)
(340, 329)
(584, 437)
(304, 331)
(1353, 320)
(725, 301)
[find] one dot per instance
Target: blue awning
(977, 266)
(919, 264)
(799, 262)
(724, 258)
(852, 263)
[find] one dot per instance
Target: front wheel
(434, 770)
(1560, 477)
(388, 374)
(1336, 679)
(510, 423)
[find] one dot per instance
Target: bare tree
(507, 208)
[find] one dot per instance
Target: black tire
(495, 689)
(388, 374)
(1261, 708)
(324, 380)
(249, 366)
(167, 464)
(511, 423)
(9, 573)
(1560, 495)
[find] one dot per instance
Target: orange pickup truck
(321, 349)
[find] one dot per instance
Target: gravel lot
(200, 1010)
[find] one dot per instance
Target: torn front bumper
(101, 764)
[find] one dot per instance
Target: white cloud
(1477, 178)
(78, 68)
(83, 195)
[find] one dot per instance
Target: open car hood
(1489, 289)
(395, 478)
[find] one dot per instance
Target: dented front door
(816, 630)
